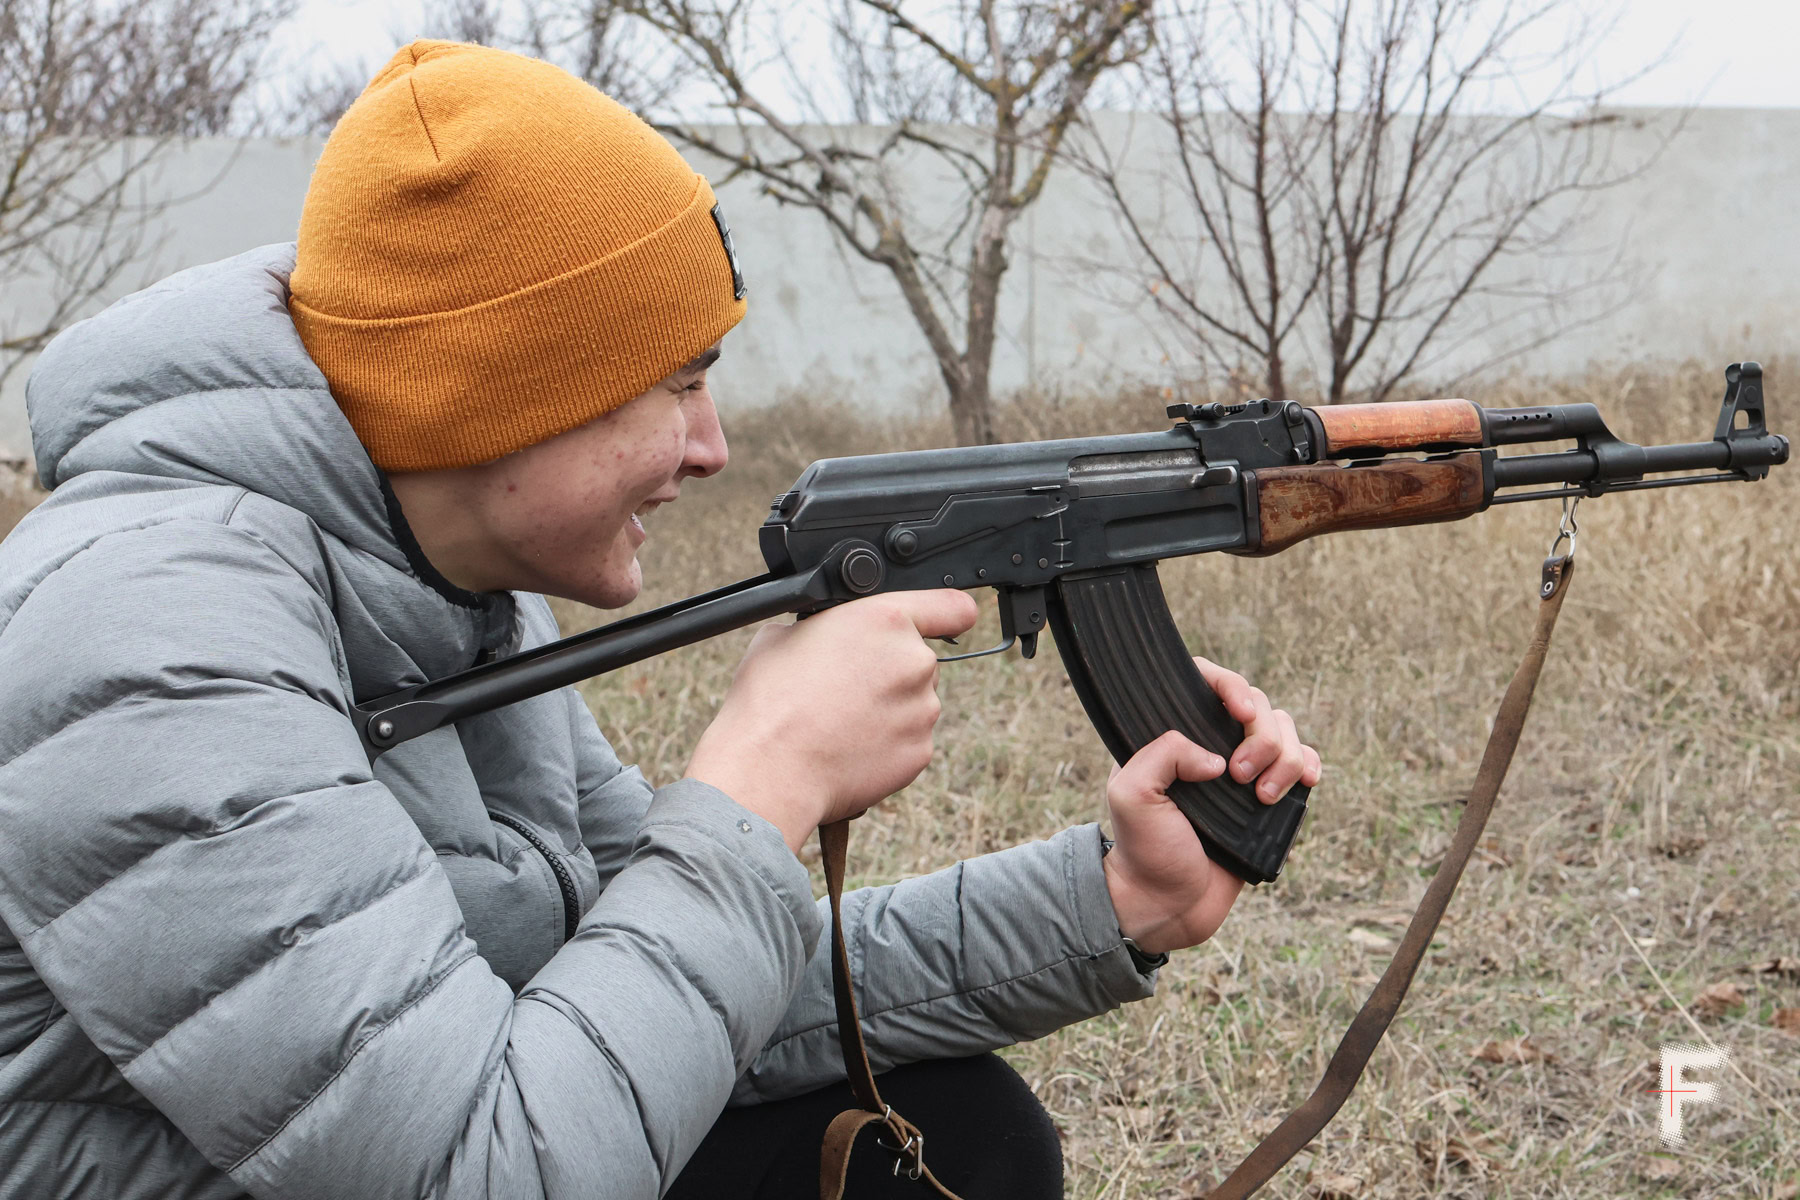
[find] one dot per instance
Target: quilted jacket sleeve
(985, 953)
(994, 950)
(199, 865)
(612, 797)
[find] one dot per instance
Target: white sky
(1731, 53)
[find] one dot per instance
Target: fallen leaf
(1787, 1020)
(1718, 999)
(1336, 1187)
(1658, 1170)
(1517, 1050)
(1783, 968)
(1368, 939)
(1680, 845)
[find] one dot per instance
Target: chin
(609, 589)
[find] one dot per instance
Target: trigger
(1021, 620)
(1022, 616)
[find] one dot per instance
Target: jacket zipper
(565, 882)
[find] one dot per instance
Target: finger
(1231, 688)
(941, 612)
(1172, 756)
(1284, 772)
(1314, 769)
(1257, 751)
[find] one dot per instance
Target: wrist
(1141, 926)
(762, 792)
(1144, 961)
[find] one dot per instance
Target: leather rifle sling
(1358, 1045)
(840, 1135)
(1346, 1066)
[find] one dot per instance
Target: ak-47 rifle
(1069, 533)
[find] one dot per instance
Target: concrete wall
(1713, 254)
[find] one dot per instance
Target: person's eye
(696, 386)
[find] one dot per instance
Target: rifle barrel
(1619, 462)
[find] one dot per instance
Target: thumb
(941, 612)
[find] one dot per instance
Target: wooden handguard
(1295, 503)
(1405, 425)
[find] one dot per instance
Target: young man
(236, 958)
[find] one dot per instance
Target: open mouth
(643, 510)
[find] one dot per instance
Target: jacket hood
(203, 377)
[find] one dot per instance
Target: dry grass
(1652, 802)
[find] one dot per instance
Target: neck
(435, 507)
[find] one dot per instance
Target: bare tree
(980, 94)
(1341, 190)
(594, 40)
(316, 99)
(92, 95)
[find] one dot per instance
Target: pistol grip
(1137, 681)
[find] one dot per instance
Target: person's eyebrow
(707, 358)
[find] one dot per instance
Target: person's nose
(707, 453)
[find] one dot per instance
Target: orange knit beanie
(493, 252)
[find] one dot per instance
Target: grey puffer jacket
(236, 959)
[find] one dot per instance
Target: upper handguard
(1353, 430)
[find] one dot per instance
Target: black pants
(986, 1137)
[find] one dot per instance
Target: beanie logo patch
(737, 274)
